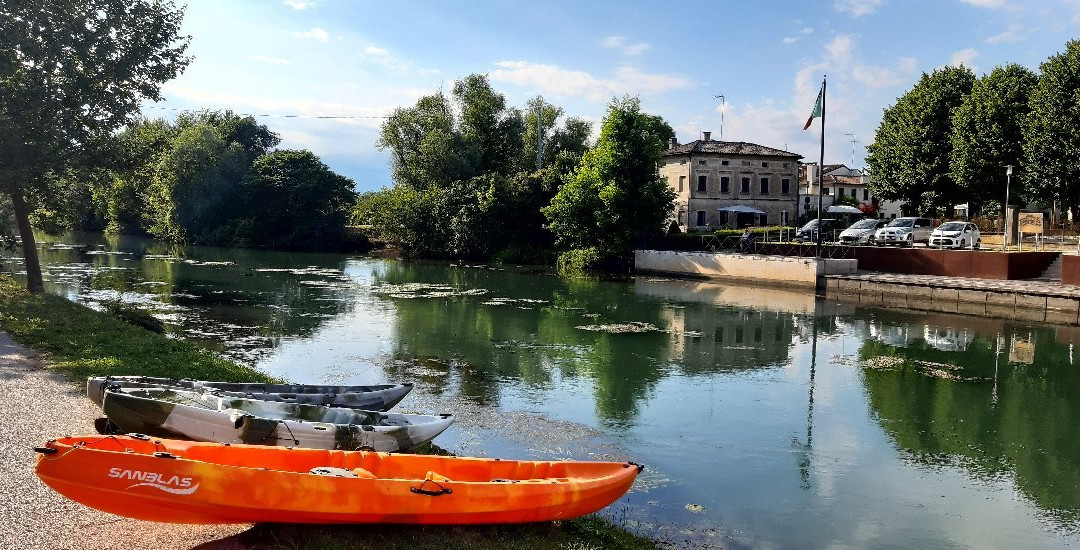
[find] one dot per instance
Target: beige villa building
(710, 175)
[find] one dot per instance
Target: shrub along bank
(81, 342)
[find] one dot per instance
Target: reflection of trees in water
(1021, 419)
(229, 307)
(529, 342)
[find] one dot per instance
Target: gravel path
(36, 406)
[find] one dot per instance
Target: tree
(295, 201)
(425, 149)
(911, 153)
(1051, 168)
(71, 73)
(987, 133)
(616, 198)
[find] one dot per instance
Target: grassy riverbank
(78, 342)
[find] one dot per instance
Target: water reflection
(1013, 413)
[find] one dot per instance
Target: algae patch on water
(425, 290)
(618, 328)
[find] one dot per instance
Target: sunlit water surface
(765, 417)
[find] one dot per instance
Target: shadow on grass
(588, 532)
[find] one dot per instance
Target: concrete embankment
(39, 405)
(1026, 300)
(776, 270)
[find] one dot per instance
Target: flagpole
(821, 169)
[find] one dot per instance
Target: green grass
(79, 342)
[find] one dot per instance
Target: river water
(766, 418)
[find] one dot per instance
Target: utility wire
(324, 117)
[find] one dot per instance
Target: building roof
(728, 148)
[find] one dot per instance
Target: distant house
(708, 175)
(840, 180)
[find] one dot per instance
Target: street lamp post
(1005, 207)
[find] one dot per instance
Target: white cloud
(561, 82)
(1007, 37)
(383, 57)
(299, 4)
(986, 3)
(620, 43)
(806, 30)
(316, 33)
(841, 49)
(788, 40)
(857, 8)
(964, 57)
(268, 59)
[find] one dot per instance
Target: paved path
(1025, 286)
(37, 405)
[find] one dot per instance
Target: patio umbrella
(741, 209)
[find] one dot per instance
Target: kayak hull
(203, 417)
(192, 482)
(372, 398)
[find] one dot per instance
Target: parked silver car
(956, 235)
(861, 232)
(905, 232)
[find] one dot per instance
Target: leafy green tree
(911, 153)
(616, 199)
(71, 73)
(987, 133)
(425, 149)
(192, 184)
(1051, 168)
(490, 131)
(295, 201)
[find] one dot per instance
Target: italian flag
(817, 109)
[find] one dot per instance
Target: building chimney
(673, 143)
(707, 135)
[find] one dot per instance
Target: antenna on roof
(854, 140)
(723, 103)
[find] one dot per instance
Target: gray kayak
(372, 398)
(176, 413)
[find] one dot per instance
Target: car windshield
(952, 226)
(811, 225)
(864, 224)
(901, 222)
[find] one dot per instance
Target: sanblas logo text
(177, 485)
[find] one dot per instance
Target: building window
(764, 219)
(723, 218)
(724, 163)
(785, 186)
(784, 217)
(682, 183)
(839, 192)
(865, 194)
(725, 184)
(701, 162)
(785, 165)
(746, 163)
(828, 191)
(738, 334)
(701, 180)
(746, 185)
(853, 192)
(700, 218)
(764, 165)
(764, 186)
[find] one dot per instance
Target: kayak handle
(421, 491)
(45, 450)
(639, 467)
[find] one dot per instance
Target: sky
(297, 60)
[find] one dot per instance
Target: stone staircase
(1052, 272)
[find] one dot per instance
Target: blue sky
(361, 58)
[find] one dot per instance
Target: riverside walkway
(1028, 300)
(39, 405)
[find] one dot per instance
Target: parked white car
(956, 235)
(861, 232)
(905, 232)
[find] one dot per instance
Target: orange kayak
(195, 482)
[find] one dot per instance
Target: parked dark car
(808, 232)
